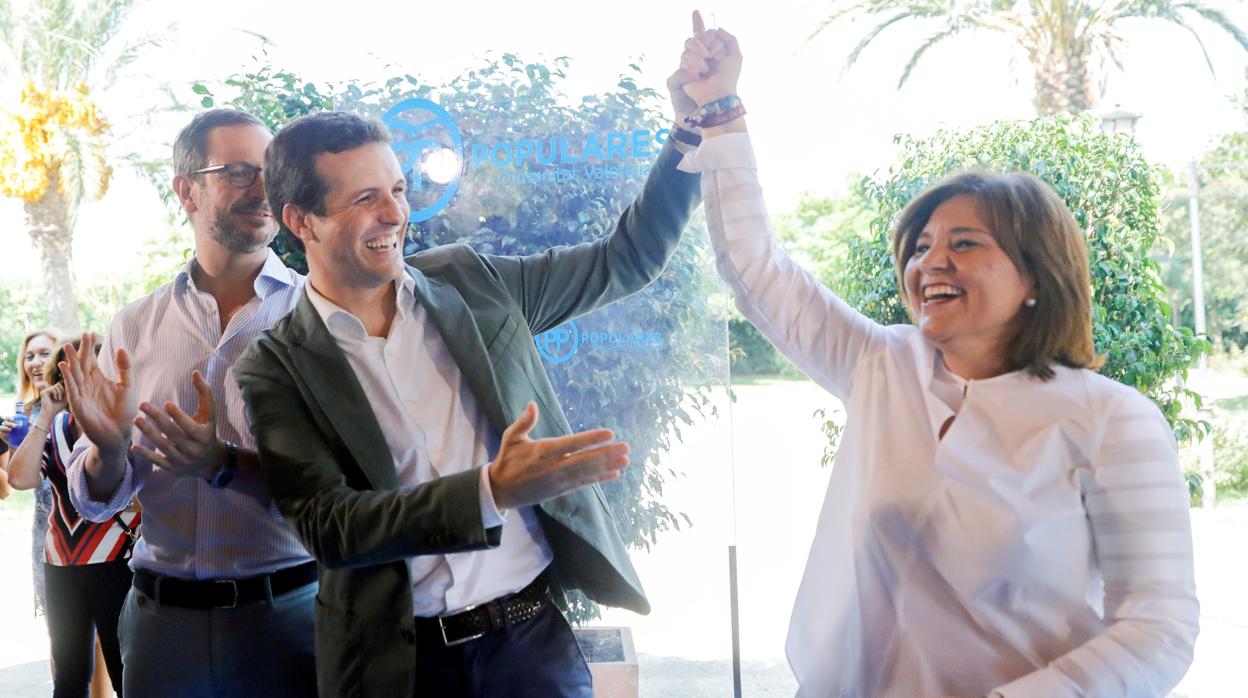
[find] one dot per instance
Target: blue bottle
(21, 426)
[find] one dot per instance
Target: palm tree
(1068, 42)
(58, 54)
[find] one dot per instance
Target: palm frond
(127, 53)
(875, 32)
(1220, 20)
(1178, 20)
(923, 48)
(1112, 44)
(867, 8)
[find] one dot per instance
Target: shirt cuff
(722, 152)
(490, 514)
(80, 494)
(1044, 683)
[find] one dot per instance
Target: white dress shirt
(434, 427)
(1042, 548)
(190, 529)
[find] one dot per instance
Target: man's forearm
(104, 472)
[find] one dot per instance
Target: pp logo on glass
(428, 145)
(558, 344)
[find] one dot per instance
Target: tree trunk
(50, 222)
(1063, 81)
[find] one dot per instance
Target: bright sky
(814, 125)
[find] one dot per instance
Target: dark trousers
(263, 649)
(83, 601)
(537, 658)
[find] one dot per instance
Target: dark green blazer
(331, 472)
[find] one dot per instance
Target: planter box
(612, 660)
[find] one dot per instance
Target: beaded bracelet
(717, 113)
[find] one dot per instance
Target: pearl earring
(1030, 302)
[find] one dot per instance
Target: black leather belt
(482, 619)
(222, 593)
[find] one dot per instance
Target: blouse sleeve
(1137, 505)
(808, 323)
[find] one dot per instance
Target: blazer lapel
(324, 369)
(459, 331)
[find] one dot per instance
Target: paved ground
(758, 486)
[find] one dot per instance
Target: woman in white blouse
(1001, 520)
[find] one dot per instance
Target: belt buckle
(442, 627)
(233, 586)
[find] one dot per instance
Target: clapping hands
(107, 411)
(184, 444)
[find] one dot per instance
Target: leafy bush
(646, 397)
(1113, 194)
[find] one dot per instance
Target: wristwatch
(229, 467)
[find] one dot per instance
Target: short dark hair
(1041, 237)
(290, 175)
(190, 148)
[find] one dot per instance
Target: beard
(240, 241)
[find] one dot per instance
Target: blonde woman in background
(86, 571)
(33, 361)
(34, 358)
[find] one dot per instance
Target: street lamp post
(1208, 489)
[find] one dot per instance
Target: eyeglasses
(238, 174)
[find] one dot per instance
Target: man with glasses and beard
(222, 602)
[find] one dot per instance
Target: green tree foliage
(1067, 42)
(1113, 194)
(646, 397)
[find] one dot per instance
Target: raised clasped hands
(709, 68)
(528, 471)
(184, 444)
(102, 408)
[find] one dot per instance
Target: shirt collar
(931, 367)
(274, 276)
(342, 322)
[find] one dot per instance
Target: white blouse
(1041, 548)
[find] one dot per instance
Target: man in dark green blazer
(441, 538)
